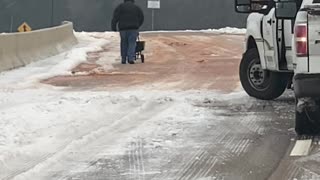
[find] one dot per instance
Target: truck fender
(254, 37)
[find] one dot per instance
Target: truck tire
(259, 83)
(307, 122)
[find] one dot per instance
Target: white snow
(53, 66)
(226, 30)
(35, 118)
(41, 122)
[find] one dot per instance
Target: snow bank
(226, 30)
(61, 64)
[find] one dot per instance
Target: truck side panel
(254, 30)
(314, 41)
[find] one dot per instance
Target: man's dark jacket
(127, 16)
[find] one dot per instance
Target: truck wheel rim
(257, 76)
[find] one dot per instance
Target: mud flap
(308, 116)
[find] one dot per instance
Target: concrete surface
(235, 138)
(181, 115)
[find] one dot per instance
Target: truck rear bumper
(306, 85)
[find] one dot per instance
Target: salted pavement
(181, 115)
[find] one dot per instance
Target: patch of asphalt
(299, 167)
(246, 140)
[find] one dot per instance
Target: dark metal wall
(37, 13)
(95, 15)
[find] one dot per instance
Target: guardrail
(20, 49)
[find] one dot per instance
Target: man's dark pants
(128, 45)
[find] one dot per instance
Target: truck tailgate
(314, 40)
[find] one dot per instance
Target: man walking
(128, 17)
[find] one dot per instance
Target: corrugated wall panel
(95, 15)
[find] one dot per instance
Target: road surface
(181, 115)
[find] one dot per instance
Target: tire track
(298, 172)
(132, 166)
(186, 165)
(100, 131)
(141, 158)
(213, 163)
(193, 170)
(293, 171)
(203, 162)
(136, 160)
(241, 146)
(134, 155)
(218, 150)
(231, 145)
(206, 166)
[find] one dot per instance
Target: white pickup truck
(283, 51)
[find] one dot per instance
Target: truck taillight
(301, 32)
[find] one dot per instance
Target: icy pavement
(137, 135)
(136, 132)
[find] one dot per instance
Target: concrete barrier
(20, 49)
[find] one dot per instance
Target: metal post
(52, 13)
(152, 19)
(11, 25)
